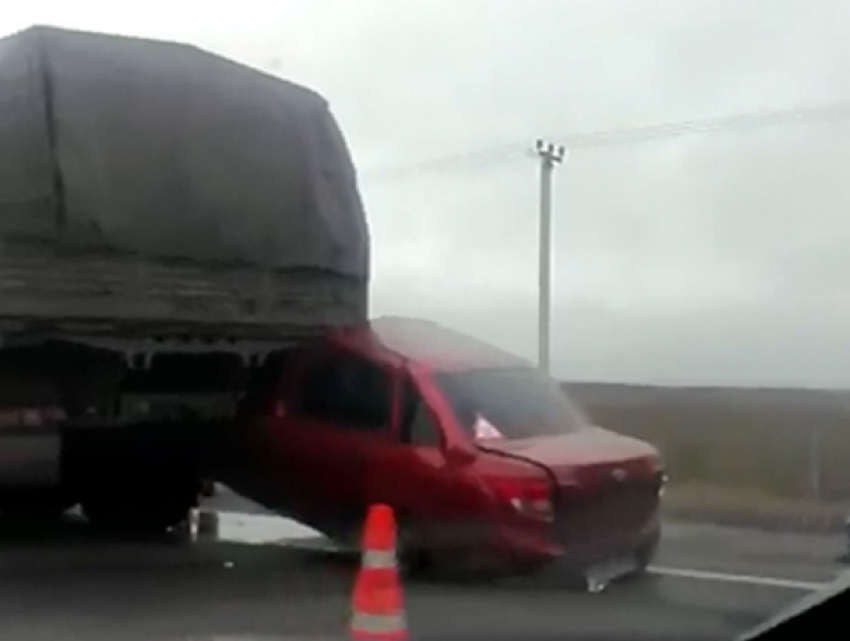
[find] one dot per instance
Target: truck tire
(141, 506)
(140, 480)
(45, 505)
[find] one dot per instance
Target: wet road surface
(708, 583)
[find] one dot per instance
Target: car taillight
(531, 497)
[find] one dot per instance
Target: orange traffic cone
(378, 603)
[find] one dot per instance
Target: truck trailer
(168, 220)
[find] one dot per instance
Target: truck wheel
(139, 508)
(36, 505)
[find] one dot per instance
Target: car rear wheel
(644, 556)
(644, 560)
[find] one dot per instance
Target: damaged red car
(485, 460)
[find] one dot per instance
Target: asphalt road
(708, 583)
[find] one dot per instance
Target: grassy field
(763, 444)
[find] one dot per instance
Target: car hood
(588, 453)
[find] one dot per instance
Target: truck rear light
(31, 416)
(531, 497)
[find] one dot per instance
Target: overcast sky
(718, 258)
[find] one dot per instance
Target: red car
(483, 458)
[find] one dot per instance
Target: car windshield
(519, 403)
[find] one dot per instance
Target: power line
(465, 160)
(835, 112)
(738, 122)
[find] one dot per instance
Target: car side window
(351, 391)
(417, 423)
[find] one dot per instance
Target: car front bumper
(537, 548)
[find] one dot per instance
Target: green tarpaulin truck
(168, 218)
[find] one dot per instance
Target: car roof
(440, 348)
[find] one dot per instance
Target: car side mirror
(456, 455)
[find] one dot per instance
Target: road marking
(703, 575)
(290, 532)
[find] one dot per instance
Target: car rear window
(519, 403)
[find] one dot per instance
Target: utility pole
(550, 155)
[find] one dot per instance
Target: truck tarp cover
(163, 150)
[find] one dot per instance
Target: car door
(437, 495)
(341, 415)
(254, 455)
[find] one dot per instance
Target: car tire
(644, 559)
(648, 552)
(415, 560)
(644, 556)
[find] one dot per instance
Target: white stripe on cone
(380, 559)
(372, 623)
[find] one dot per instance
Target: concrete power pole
(550, 155)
